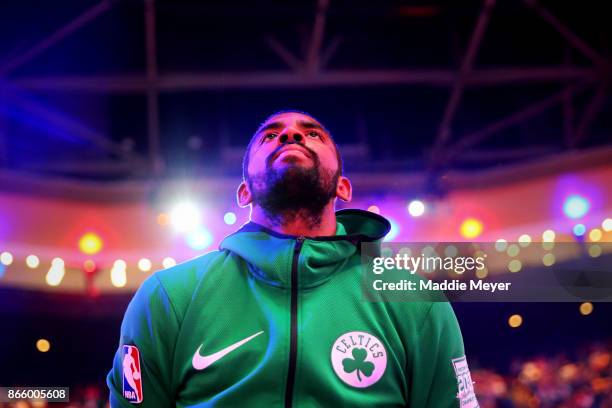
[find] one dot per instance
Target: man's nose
(291, 136)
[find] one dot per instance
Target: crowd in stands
(554, 381)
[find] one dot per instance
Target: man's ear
(243, 195)
(344, 189)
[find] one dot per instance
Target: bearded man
(275, 317)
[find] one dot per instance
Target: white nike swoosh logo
(201, 362)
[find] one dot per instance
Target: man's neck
(298, 225)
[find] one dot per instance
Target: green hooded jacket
(273, 320)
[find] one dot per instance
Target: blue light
(579, 230)
(199, 239)
(576, 206)
(393, 232)
(2, 270)
(229, 218)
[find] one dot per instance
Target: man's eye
(270, 136)
(314, 134)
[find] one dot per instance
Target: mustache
(314, 156)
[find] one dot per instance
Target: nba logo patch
(132, 378)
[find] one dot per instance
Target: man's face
(293, 167)
(291, 140)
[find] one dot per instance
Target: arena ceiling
(114, 90)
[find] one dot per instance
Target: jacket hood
(270, 255)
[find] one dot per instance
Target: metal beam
(466, 66)
(566, 33)
(331, 49)
(590, 114)
(284, 54)
(153, 131)
(314, 50)
(568, 117)
(89, 167)
(70, 126)
(511, 120)
(56, 37)
(568, 106)
(180, 82)
(488, 155)
(3, 132)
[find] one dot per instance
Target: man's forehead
(291, 118)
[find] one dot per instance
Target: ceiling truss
(309, 70)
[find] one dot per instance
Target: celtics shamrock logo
(359, 358)
(358, 363)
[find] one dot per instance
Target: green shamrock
(358, 363)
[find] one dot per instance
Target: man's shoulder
(417, 315)
(180, 281)
(190, 269)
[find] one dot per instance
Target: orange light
(374, 209)
(43, 345)
(90, 243)
(163, 219)
(586, 308)
(515, 321)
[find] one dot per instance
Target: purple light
(575, 197)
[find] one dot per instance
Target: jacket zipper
(293, 333)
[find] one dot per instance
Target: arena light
(501, 245)
(524, 240)
(56, 272)
(120, 263)
(416, 208)
(482, 273)
(6, 258)
(548, 259)
(89, 266)
(576, 206)
(451, 251)
(199, 239)
(168, 262)
(513, 250)
(586, 308)
(185, 217)
(118, 274)
(229, 218)
(90, 243)
(515, 321)
(43, 345)
(607, 224)
(144, 264)
(163, 219)
(595, 234)
(548, 236)
(579, 230)
(594, 251)
(32, 261)
(515, 265)
(471, 228)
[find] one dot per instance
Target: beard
(294, 192)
